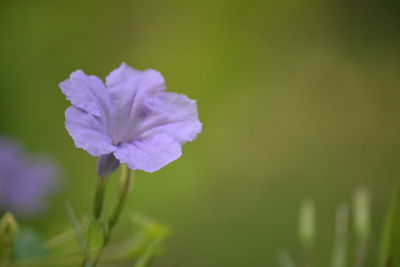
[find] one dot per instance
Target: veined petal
(145, 81)
(149, 154)
(127, 89)
(86, 92)
(171, 114)
(88, 132)
(131, 117)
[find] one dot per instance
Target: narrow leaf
(76, 226)
(390, 246)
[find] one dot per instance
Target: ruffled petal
(149, 81)
(131, 117)
(127, 89)
(171, 114)
(87, 132)
(150, 154)
(85, 92)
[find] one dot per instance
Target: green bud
(125, 182)
(125, 186)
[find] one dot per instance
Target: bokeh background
(298, 99)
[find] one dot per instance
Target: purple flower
(25, 181)
(130, 119)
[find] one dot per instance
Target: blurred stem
(362, 224)
(125, 182)
(307, 229)
(308, 257)
(361, 253)
(340, 249)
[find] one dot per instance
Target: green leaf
(27, 244)
(390, 246)
(145, 242)
(151, 251)
(150, 237)
(76, 227)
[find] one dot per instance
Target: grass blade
(390, 246)
(76, 227)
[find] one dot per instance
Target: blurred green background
(298, 99)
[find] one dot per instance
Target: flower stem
(94, 222)
(125, 182)
(99, 198)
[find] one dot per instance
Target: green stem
(125, 181)
(99, 198)
(97, 210)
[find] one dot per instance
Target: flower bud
(107, 165)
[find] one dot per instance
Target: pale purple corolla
(129, 119)
(26, 181)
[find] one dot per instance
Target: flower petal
(150, 154)
(133, 80)
(85, 92)
(32, 184)
(127, 89)
(172, 114)
(25, 181)
(88, 132)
